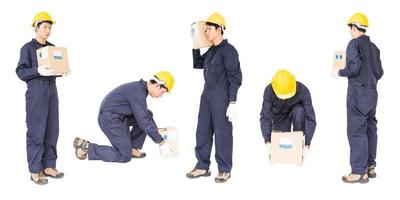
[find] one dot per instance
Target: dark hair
(358, 28)
(153, 81)
(50, 22)
(216, 26)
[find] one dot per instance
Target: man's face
(156, 90)
(353, 30)
(211, 32)
(44, 30)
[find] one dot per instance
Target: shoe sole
(76, 140)
(362, 181)
(80, 158)
(207, 174)
(218, 180)
(143, 155)
(372, 175)
(55, 177)
(39, 183)
(76, 146)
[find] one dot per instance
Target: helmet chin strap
(160, 82)
(360, 26)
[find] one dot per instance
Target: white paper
(285, 143)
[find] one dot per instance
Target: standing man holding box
(41, 104)
(363, 70)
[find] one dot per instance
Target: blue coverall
(223, 78)
(122, 108)
(363, 70)
(278, 114)
(41, 110)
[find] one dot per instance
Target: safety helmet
(40, 17)
(358, 19)
(284, 84)
(165, 78)
(218, 19)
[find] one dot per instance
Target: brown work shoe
(222, 177)
(81, 148)
(196, 173)
(355, 178)
(53, 173)
(39, 178)
(138, 154)
(371, 171)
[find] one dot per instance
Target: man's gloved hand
(231, 111)
(268, 145)
(44, 71)
(306, 150)
(65, 74)
(165, 150)
(335, 73)
(192, 29)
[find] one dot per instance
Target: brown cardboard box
(199, 35)
(170, 135)
(339, 60)
(54, 58)
(287, 147)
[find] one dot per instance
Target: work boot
(355, 178)
(196, 173)
(53, 173)
(39, 178)
(222, 177)
(81, 148)
(371, 171)
(138, 154)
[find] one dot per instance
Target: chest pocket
(280, 107)
(214, 69)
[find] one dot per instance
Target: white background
(114, 42)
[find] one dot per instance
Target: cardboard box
(199, 35)
(339, 60)
(287, 147)
(54, 58)
(170, 135)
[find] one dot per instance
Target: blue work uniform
(281, 114)
(363, 70)
(223, 77)
(41, 110)
(122, 108)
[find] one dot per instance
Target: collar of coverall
(144, 83)
(224, 41)
(37, 43)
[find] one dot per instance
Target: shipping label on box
(339, 59)
(170, 135)
(287, 147)
(199, 35)
(54, 58)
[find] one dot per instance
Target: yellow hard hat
(40, 17)
(284, 84)
(217, 18)
(358, 19)
(166, 79)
